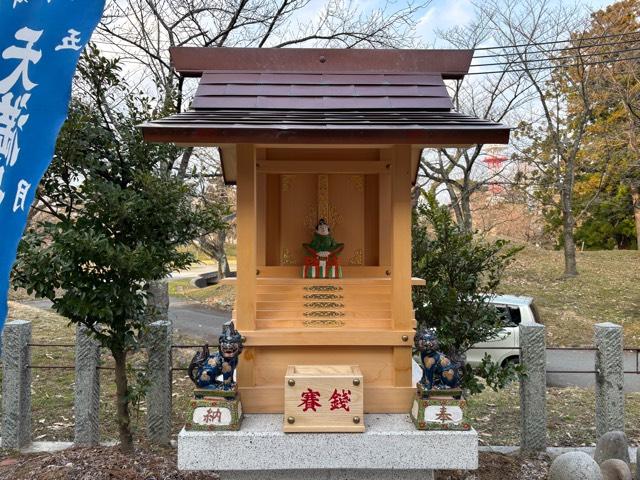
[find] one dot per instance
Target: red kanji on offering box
(309, 400)
(340, 399)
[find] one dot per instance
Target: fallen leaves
(98, 463)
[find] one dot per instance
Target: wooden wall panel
(346, 205)
(261, 200)
(371, 220)
(272, 225)
(298, 215)
(376, 363)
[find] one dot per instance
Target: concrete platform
(390, 448)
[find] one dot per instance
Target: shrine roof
(348, 126)
(322, 96)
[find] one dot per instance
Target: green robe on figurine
(322, 260)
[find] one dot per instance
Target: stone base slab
(329, 475)
(390, 447)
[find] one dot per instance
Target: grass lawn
(218, 296)
(570, 416)
(607, 289)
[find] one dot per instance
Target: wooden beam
(326, 167)
(329, 337)
(292, 273)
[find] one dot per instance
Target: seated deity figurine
(215, 371)
(438, 371)
(322, 254)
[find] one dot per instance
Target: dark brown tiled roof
(320, 91)
(322, 96)
(419, 127)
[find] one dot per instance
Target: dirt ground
(496, 466)
(107, 463)
(99, 463)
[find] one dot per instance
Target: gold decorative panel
(323, 314)
(357, 258)
(287, 259)
(323, 296)
(323, 198)
(323, 305)
(323, 288)
(358, 182)
(286, 181)
(323, 323)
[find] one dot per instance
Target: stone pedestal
(390, 448)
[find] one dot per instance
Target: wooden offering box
(336, 135)
(323, 398)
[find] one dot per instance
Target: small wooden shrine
(334, 135)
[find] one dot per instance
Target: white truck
(515, 310)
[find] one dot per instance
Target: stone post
(87, 389)
(158, 301)
(609, 378)
(158, 341)
(16, 385)
(533, 407)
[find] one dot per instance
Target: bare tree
(143, 30)
(536, 30)
(493, 96)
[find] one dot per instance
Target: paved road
(193, 272)
(189, 318)
(584, 360)
(197, 320)
(202, 322)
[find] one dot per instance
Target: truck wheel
(511, 360)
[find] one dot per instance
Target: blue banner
(40, 44)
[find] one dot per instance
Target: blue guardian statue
(438, 371)
(216, 371)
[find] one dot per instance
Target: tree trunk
(122, 399)
(568, 224)
(465, 207)
(455, 204)
(635, 197)
(415, 197)
(213, 245)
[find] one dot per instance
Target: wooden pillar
(246, 223)
(402, 306)
(401, 238)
